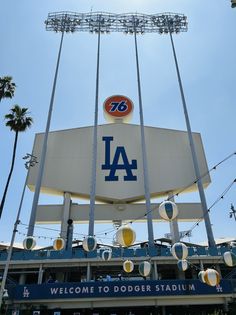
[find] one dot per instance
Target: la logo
(120, 155)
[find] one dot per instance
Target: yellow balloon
(212, 277)
(58, 243)
(125, 236)
(128, 266)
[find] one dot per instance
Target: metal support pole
(44, 148)
(210, 236)
(69, 238)
(94, 156)
(65, 215)
(144, 155)
(4, 277)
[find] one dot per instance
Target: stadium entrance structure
(115, 169)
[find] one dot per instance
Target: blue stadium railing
(116, 253)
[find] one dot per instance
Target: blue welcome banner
(116, 289)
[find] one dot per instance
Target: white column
(40, 275)
(65, 214)
(155, 274)
(22, 278)
(88, 272)
(175, 237)
(174, 228)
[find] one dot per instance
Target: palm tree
(7, 87)
(18, 121)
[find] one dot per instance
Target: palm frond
(18, 119)
(7, 87)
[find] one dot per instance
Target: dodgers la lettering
(114, 166)
(26, 292)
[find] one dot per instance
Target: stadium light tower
(62, 25)
(173, 25)
(134, 24)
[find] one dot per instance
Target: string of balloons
(195, 224)
(213, 204)
(176, 194)
(112, 230)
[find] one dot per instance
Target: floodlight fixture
(104, 23)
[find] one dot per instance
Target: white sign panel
(106, 213)
(119, 164)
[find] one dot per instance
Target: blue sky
(206, 55)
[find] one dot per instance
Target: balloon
(106, 254)
(29, 243)
(58, 243)
(125, 236)
(229, 259)
(179, 251)
(128, 266)
(168, 210)
(212, 277)
(182, 265)
(201, 276)
(89, 244)
(145, 268)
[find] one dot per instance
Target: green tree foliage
(7, 87)
(18, 121)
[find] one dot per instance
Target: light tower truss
(103, 22)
